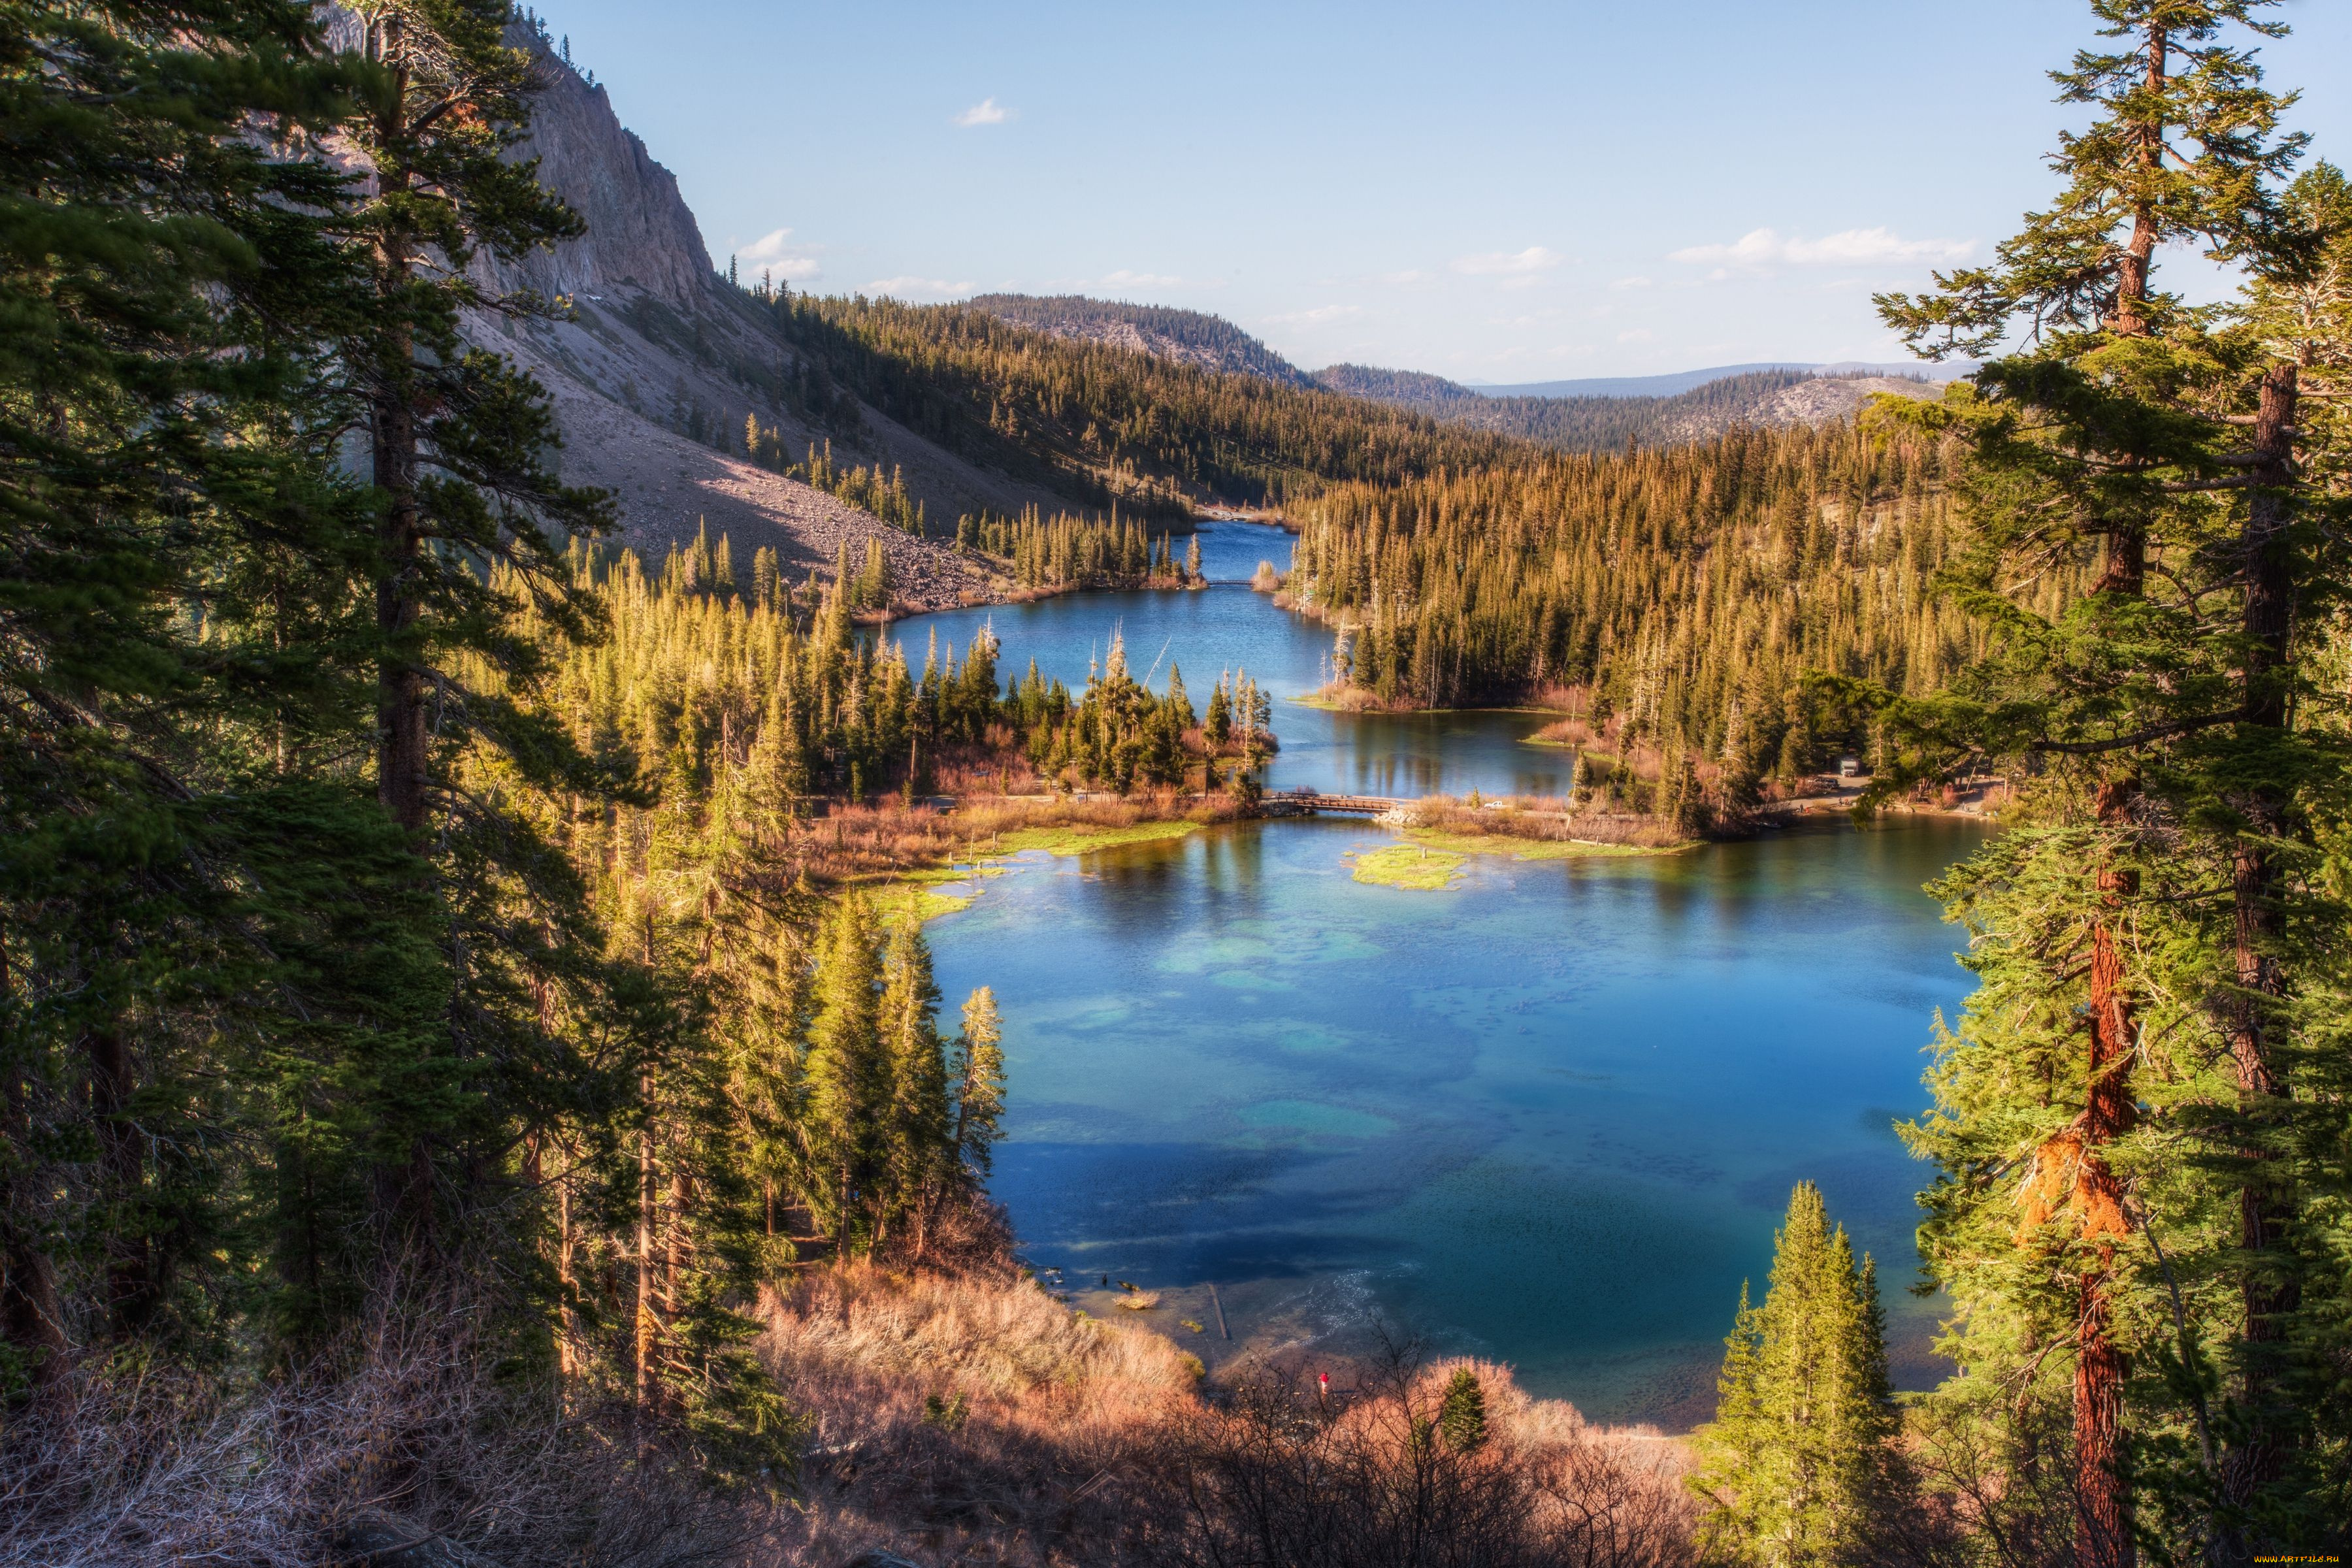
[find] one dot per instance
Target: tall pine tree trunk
(2252, 1462)
(400, 682)
(2103, 1521)
(567, 1352)
(2103, 1502)
(2139, 254)
(403, 1196)
(647, 1196)
(401, 758)
(2103, 1534)
(122, 1169)
(32, 1315)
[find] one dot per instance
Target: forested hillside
(1684, 595)
(1608, 423)
(1186, 337)
(1110, 423)
(1405, 388)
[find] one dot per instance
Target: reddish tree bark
(2254, 1462)
(2103, 1522)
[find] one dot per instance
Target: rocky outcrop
(660, 359)
(641, 235)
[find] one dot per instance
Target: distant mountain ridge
(1595, 414)
(1186, 337)
(663, 373)
(1594, 422)
(1691, 380)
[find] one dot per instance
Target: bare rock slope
(1815, 401)
(663, 359)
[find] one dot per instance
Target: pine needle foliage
(1798, 1463)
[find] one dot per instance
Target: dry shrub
(972, 1417)
(1574, 733)
(861, 843)
(1541, 817)
(975, 1419)
(1281, 1475)
(1351, 698)
(1561, 698)
(401, 1450)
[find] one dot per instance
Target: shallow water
(1550, 1116)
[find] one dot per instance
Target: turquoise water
(1550, 1116)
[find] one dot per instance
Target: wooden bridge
(1307, 802)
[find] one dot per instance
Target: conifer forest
(481, 1081)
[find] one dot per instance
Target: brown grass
(866, 843)
(1050, 1459)
(1545, 818)
(1284, 1473)
(956, 1415)
(406, 1438)
(971, 1418)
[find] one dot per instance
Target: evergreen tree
(1218, 727)
(459, 446)
(2156, 717)
(189, 898)
(848, 1074)
(1462, 1413)
(917, 1121)
(1795, 1464)
(980, 1083)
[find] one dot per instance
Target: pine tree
(848, 1074)
(980, 1083)
(1795, 1463)
(917, 1120)
(2116, 416)
(459, 445)
(166, 438)
(1462, 1413)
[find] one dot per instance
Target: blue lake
(1550, 1116)
(1226, 627)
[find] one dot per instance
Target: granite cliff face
(640, 234)
(661, 360)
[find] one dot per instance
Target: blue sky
(1490, 191)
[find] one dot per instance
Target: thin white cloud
(1762, 249)
(1123, 278)
(910, 287)
(773, 253)
(987, 111)
(1637, 335)
(1637, 281)
(1313, 317)
(1410, 274)
(1534, 259)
